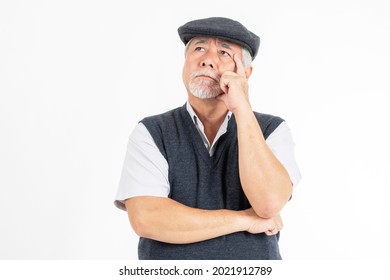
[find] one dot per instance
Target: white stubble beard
(204, 88)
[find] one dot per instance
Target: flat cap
(223, 28)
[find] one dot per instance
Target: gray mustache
(206, 72)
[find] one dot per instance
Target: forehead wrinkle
(221, 42)
(200, 41)
(225, 45)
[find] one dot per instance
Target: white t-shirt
(145, 170)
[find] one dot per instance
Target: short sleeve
(145, 170)
(281, 143)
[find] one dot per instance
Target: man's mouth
(206, 77)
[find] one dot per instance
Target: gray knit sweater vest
(200, 181)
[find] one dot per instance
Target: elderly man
(208, 180)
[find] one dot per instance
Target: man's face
(206, 60)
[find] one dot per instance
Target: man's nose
(207, 64)
(208, 61)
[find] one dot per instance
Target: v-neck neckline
(198, 143)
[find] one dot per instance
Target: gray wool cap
(223, 28)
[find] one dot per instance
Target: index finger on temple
(239, 65)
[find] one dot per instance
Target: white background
(76, 77)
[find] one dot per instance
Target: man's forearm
(166, 220)
(265, 181)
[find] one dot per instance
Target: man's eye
(224, 53)
(199, 49)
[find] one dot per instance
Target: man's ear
(248, 72)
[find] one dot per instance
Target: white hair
(246, 56)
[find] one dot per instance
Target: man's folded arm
(166, 220)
